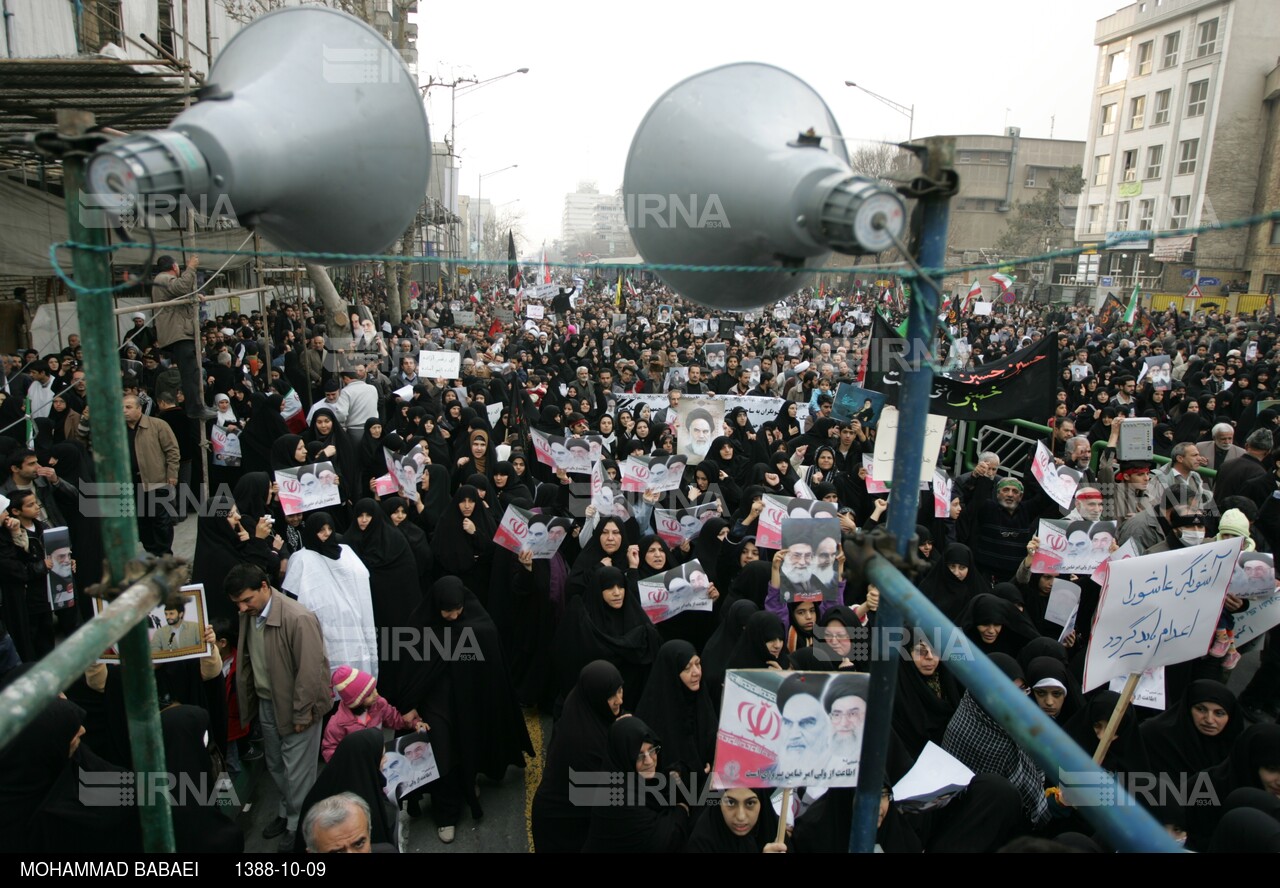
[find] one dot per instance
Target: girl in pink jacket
(360, 707)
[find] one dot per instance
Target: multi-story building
(594, 224)
(1176, 140)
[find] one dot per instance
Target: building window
(1102, 169)
(1169, 58)
(1146, 214)
(1145, 52)
(1179, 210)
(1122, 216)
(1161, 114)
(1031, 177)
(1095, 218)
(1155, 161)
(1107, 121)
(1137, 112)
(1207, 38)
(1275, 234)
(1187, 153)
(1197, 98)
(1129, 165)
(1116, 65)
(965, 158)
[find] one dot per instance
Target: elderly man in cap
(998, 529)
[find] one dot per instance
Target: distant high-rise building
(1176, 140)
(594, 224)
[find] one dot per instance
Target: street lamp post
(480, 207)
(907, 112)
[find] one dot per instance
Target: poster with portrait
(790, 345)
(1073, 547)
(408, 762)
(664, 314)
(683, 588)
(407, 469)
(308, 487)
(699, 421)
(225, 446)
(676, 376)
(177, 633)
(715, 355)
(752, 365)
(811, 569)
(678, 526)
(652, 473)
(790, 728)
(697, 327)
(524, 531)
(60, 580)
(1254, 576)
(779, 508)
(852, 401)
(618, 322)
(1159, 372)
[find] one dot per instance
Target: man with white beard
(797, 572)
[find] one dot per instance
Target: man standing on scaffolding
(176, 328)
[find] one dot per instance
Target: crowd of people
(393, 610)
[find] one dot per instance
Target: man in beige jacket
(282, 681)
(154, 454)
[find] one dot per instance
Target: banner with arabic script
(1158, 610)
(1019, 386)
(790, 728)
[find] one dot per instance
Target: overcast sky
(596, 68)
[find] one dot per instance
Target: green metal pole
(111, 459)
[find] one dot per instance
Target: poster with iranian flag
(790, 728)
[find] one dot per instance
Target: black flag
(1020, 386)
(513, 265)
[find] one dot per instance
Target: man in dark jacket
(1246, 475)
(998, 530)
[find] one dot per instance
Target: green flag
(1131, 312)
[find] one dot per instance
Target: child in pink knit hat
(360, 707)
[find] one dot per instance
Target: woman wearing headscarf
(746, 520)
(42, 809)
(288, 452)
(732, 458)
(331, 581)
(953, 581)
(744, 822)
(404, 518)
(832, 649)
(578, 743)
(995, 625)
(766, 478)
(198, 826)
(1127, 753)
(393, 585)
(644, 823)
(527, 598)
(373, 460)
(464, 539)
(477, 461)
(329, 440)
(356, 767)
(264, 427)
(1194, 734)
(489, 730)
(1254, 762)
(762, 645)
(607, 624)
(1053, 689)
(927, 697)
(607, 548)
(786, 421)
(678, 705)
(64, 419)
(225, 538)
